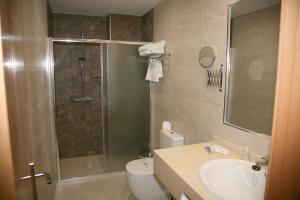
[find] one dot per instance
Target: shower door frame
(51, 42)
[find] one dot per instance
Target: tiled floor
(108, 186)
(81, 166)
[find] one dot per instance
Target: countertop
(178, 169)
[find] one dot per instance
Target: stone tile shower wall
(114, 27)
(71, 26)
(79, 124)
(133, 28)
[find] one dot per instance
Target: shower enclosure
(102, 104)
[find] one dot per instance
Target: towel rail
(159, 55)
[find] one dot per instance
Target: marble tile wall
(114, 26)
(182, 96)
(79, 125)
(147, 27)
(125, 27)
(132, 28)
(30, 107)
(71, 26)
(82, 136)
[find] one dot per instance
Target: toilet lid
(141, 167)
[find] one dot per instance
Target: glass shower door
(126, 105)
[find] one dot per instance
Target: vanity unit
(192, 171)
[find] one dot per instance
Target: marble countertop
(178, 169)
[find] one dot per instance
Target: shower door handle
(104, 104)
(104, 101)
(32, 177)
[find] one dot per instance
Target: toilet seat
(141, 167)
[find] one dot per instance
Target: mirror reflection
(251, 64)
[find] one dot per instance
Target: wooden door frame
(284, 169)
(7, 180)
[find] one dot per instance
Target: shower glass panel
(77, 71)
(125, 105)
(102, 103)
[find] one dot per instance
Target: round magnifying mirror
(207, 57)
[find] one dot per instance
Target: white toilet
(141, 181)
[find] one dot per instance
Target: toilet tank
(170, 139)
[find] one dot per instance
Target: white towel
(155, 71)
(152, 48)
(151, 52)
(214, 148)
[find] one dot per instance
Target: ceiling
(103, 7)
(244, 7)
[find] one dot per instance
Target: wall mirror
(207, 57)
(253, 37)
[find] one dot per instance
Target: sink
(230, 179)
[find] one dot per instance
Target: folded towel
(155, 71)
(151, 52)
(214, 148)
(160, 44)
(152, 48)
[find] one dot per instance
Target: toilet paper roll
(184, 197)
(167, 126)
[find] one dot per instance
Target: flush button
(256, 168)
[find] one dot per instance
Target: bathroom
(149, 99)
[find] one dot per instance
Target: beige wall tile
(182, 96)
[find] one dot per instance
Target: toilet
(141, 181)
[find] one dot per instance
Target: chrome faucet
(262, 162)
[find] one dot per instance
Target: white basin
(229, 179)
